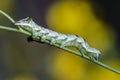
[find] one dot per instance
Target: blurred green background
(95, 20)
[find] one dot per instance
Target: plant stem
(9, 29)
(14, 30)
(7, 16)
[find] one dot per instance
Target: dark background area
(111, 11)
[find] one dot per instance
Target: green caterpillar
(41, 34)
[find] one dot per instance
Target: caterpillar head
(26, 24)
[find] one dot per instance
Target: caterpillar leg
(97, 57)
(81, 50)
(53, 40)
(42, 40)
(82, 53)
(63, 43)
(44, 37)
(30, 39)
(92, 58)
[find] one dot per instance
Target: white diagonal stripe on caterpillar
(63, 40)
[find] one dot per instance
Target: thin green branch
(9, 28)
(14, 30)
(7, 16)
(56, 45)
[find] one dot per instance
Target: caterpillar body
(41, 34)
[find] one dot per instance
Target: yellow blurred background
(21, 60)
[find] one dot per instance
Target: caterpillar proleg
(53, 37)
